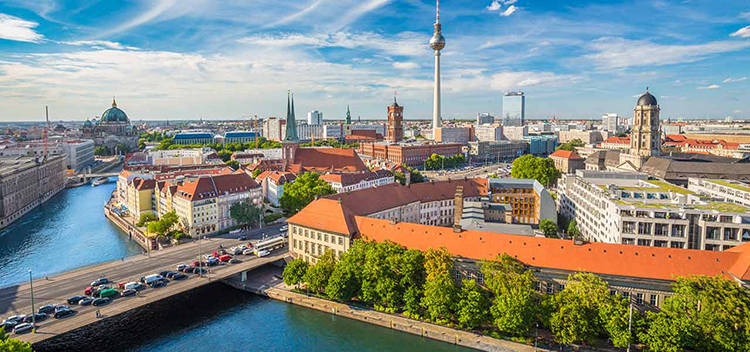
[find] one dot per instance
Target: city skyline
(189, 60)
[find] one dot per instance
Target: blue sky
(185, 59)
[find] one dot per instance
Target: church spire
(291, 124)
(348, 115)
(114, 103)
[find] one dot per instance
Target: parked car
(11, 321)
(197, 270)
(59, 314)
(121, 285)
(110, 292)
(196, 263)
(151, 279)
(179, 276)
(86, 301)
(242, 238)
(75, 299)
(88, 290)
(60, 307)
(284, 228)
(181, 267)
(263, 253)
(212, 261)
(225, 258)
(47, 309)
(100, 281)
(101, 301)
(23, 328)
(128, 292)
(134, 286)
(38, 316)
(248, 252)
(156, 284)
(164, 273)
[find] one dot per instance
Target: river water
(70, 231)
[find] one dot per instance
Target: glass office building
(514, 109)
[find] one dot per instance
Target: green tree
(225, 154)
(101, 150)
(12, 345)
(664, 333)
(577, 309)
(572, 145)
(256, 172)
(317, 275)
(234, 164)
(540, 169)
(573, 229)
(343, 284)
(302, 191)
(473, 305)
(145, 218)
(295, 271)
(245, 213)
(381, 282)
(549, 228)
(439, 288)
(163, 225)
(514, 306)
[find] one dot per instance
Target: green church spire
(348, 115)
(291, 124)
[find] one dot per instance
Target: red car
(197, 264)
(225, 258)
(121, 285)
(87, 291)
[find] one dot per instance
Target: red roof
(327, 159)
(212, 186)
(566, 154)
(328, 214)
(618, 140)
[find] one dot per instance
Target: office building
(240, 137)
(514, 109)
(193, 138)
(587, 137)
(410, 154)
(485, 118)
(315, 117)
(488, 133)
(453, 134)
(497, 151)
(541, 145)
(274, 128)
(611, 123)
(515, 133)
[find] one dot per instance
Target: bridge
(16, 300)
(102, 174)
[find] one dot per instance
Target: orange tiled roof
(328, 159)
(141, 184)
(600, 258)
(326, 214)
(347, 179)
(212, 186)
(618, 140)
(566, 154)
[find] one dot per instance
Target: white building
(488, 133)
(611, 123)
(272, 184)
(274, 128)
(315, 117)
(731, 191)
(515, 133)
(79, 153)
(352, 182)
(629, 208)
(307, 132)
(333, 131)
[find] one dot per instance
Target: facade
(274, 128)
(488, 133)
(496, 151)
(343, 183)
(315, 117)
(27, 182)
(272, 184)
(78, 153)
(188, 138)
(730, 191)
(180, 157)
(453, 134)
(619, 143)
(310, 132)
(241, 137)
(515, 133)
(333, 131)
(406, 153)
(541, 145)
(349, 128)
(587, 137)
(514, 109)
(111, 129)
(567, 162)
(484, 118)
(528, 200)
(395, 131)
(611, 123)
(645, 137)
(629, 208)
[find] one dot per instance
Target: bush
(271, 218)
(145, 218)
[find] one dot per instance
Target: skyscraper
(437, 43)
(611, 122)
(315, 117)
(395, 131)
(514, 109)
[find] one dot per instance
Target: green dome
(114, 114)
(87, 123)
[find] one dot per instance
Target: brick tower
(395, 132)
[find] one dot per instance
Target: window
(653, 300)
(294, 229)
(549, 288)
(639, 298)
(341, 241)
(326, 237)
(538, 286)
(560, 287)
(612, 292)
(626, 294)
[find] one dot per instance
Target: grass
(659, 186)
(723, 207)
(731, 185)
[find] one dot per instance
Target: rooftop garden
(723, 207)
(659, 186)
(731, 185)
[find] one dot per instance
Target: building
(619, 143)
(587, 137)
(410, 154)
(310, 132)
(567, 162)
(542, 145)
(453, 134)
(484, 118)
(514, 109)
(272, 184)
(483, 151)
(679, 143)
(335, 131)
(246, 158)
(437, 43)
(731, 191)
(515, 133)
(348, 117)
(630, 208)
(111, 129)
(79, 153)
(315, 117)
(349, 182)
(274, 128)
(488, 133)
(363, 136)
(611, 123)
(645, 137)
(348, 129)
(27, 182)
(395, 131)
(203, 204)
(193, 138)
(177, 157)
(240, 137)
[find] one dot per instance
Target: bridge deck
(16, 299)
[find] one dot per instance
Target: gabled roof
(212, 186)
(617, 140)
(348, 179)
(141, 184)
(327, 215)
(328, 159)
(566, 154)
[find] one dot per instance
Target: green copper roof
(291, 123)
(114, 114)
(348, 115)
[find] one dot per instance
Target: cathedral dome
(647, 99)
(114, 114)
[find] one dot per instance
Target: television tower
(437, 43)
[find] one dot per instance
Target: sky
(232, 59)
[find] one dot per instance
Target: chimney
(458, 203)
(392, 221)
(337, 200)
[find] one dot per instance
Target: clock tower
(395, 132)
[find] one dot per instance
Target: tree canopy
(540, 169)
(572, 145)
(302, 191)
(245, 213)
(294, 272)
(515, 301)
(549, 228)
(163, 225)
(437, 161)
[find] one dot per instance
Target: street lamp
(33, 310)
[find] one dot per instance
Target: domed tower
(437, 43)
(645, 139)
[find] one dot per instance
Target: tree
(302, 191)
(572, 145)
(514, 306)
(381, 282)
(573, 229)
(317, 276)
(101, 150)
(162, 226)
(234, 164)
(295, 271)
(343, 284)
(439, 288)
(549, 228)
(704, 314)
(12, 345)
(540, 169)
(579, 309)
(472, 306)
(145, 218)
(256, 172)
(413, 276)
(245, 213)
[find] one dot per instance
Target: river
(70, 231)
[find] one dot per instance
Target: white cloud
(358, 12)
(17, 29)
(745, 15)
(713, 86)
(509, 11)
(296, 15)
(617, 53)
(494, 6)
(736, 111)
(733, 80)
(100, 44)
(406, 65)
(404, 43)
(742, 32)
(507, 81)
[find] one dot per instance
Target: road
(480, 171)
(16, 300)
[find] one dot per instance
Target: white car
(263, 253)
(248, 252)
(284, 228)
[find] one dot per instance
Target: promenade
(16, 299)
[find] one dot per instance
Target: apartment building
(488, 133)
(731, 191)
(355, 181)
(630, 208)
(484, 151)
(529, 201)
(27, 182)
(272, 184)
